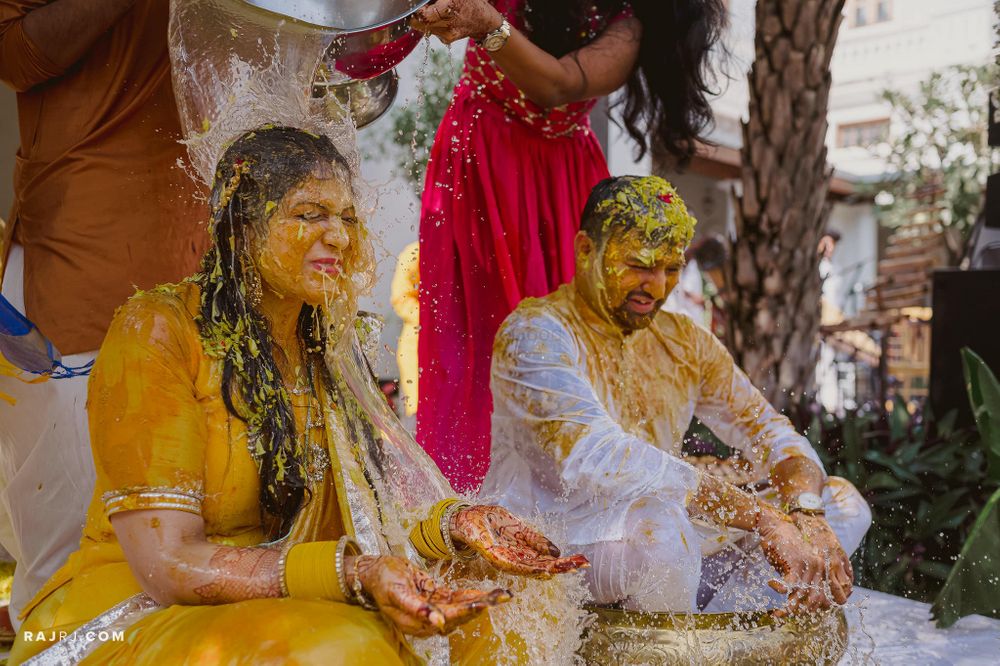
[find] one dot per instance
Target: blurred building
(895, 44)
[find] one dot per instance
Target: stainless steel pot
(343, 15)
(370, 38)
(366, 100)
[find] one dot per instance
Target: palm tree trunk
(774, 299)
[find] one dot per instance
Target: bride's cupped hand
(509, 544)
(451, 20)
(415, 602)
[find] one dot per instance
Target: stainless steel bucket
(370, 39)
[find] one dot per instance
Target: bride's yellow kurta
(163, 439)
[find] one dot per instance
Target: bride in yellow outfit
(254, 502)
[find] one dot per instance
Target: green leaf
(853, 450)
(956, 519)
(939, 511)
(897, 469)
(883, 481)
(984, 396)
(899, 419)
(894, 496)
(934, 569)
(973, 586)
(909, 452)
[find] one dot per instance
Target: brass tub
(617, 638)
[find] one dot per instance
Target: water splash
(236, 68)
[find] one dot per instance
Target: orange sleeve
(22, 64)
(148, 431)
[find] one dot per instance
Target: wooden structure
(899, 301)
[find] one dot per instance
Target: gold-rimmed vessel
(620, 638)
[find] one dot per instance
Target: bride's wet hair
(254, 175)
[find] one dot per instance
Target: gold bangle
(309, 574)
(426, 536)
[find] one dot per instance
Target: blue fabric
(24, 346)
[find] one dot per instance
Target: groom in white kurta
(593, 390)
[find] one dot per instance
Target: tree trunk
(774, 297)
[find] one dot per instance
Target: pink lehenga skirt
(501, 206)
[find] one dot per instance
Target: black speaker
(994, 118)
(966, 314)
(992, 209)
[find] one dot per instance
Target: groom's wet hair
(620, 204)
(591, 222)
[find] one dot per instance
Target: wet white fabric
(893, 631)
(46, 466)
(631, 570)
(541, 383)
(660, 564)
(586, 434)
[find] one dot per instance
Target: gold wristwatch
(494, 41)
(810, 504)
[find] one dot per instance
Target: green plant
(925, 480)
(934, 491)
(938, 140)
(973, 585)
(414, 125)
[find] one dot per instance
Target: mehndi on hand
(839, 573)
(509, 544)
(414, 601)
(803, 569)
(451, 20)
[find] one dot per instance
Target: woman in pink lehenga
(513, 163)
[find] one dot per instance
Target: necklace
(317, 457)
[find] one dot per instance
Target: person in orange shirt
(100, 208)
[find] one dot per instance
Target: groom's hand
(838, 571)
(800, 564)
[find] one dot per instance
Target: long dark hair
(253, 175)
(666, 97)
